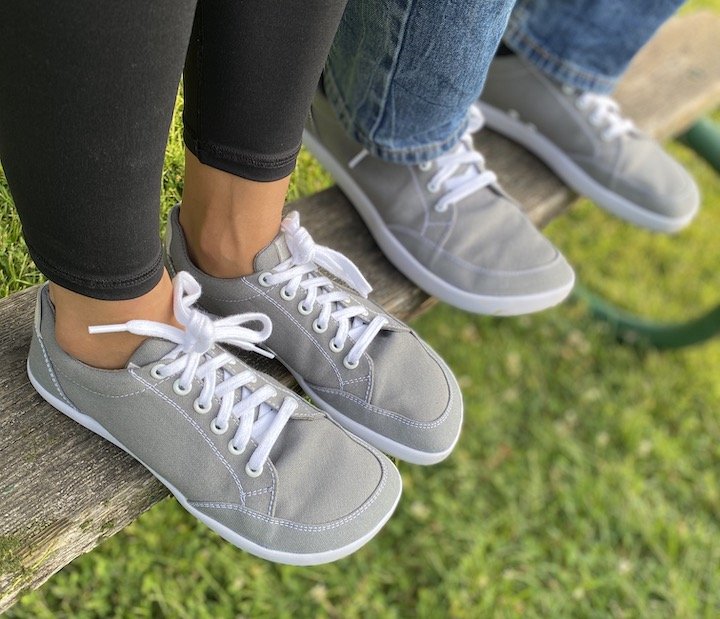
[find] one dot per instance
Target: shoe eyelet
(234, 450)
(200, 409)
(155, 371)
(335, 347)
(263, 279)
(286, 295)
(218, 429)
(425, 166)
(433, 187)
(179, 389)
(441, 208)
(305, 311)
(349, 364)
(251, 472)
(318, 328)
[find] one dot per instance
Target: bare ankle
(219, 255)
(74, 313)
(226, 219)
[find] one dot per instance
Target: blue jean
(402, 74)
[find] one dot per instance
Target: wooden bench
(63, 489)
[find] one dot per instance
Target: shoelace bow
(300, 271)
(190, 359)
(460, 172)
(605, 113)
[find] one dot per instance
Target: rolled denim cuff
(518, 39)
(400, 151)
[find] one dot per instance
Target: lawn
(586, 483)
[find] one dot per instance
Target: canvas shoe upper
(369, 371)
(585, 139)
(446, 224)
(248, 457)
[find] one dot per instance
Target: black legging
(87, 90)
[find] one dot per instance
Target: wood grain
(63, 489)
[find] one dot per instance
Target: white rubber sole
(406, 263)
(576, 178)
(227, 534)
(383, 443)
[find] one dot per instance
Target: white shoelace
(605, 114)
(300, 271)
(257, 419)
(460, 173)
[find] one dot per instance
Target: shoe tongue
(273, 254)
(151, 350)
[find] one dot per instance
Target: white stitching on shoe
(197, 428)
(98, 393)
(390, 414)
(191, 357)
(51, 369)
(302, 329)
(273, 473)
(356, 380)
(467, 265)
(259, 492)
(371, 382)
(307, 528)
(302, 270)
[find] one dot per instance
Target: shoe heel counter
(175, 251)
(39, 364)
(167, 258)
(36, 359)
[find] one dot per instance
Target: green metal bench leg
(631, 328)
(704, 138)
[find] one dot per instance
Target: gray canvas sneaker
(586, 141)
(446, 225)
(249, 458)
(369, 371)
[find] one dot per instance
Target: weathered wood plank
(63, 489)
(676, 77)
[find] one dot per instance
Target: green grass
(586, 483)
(667, 277)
